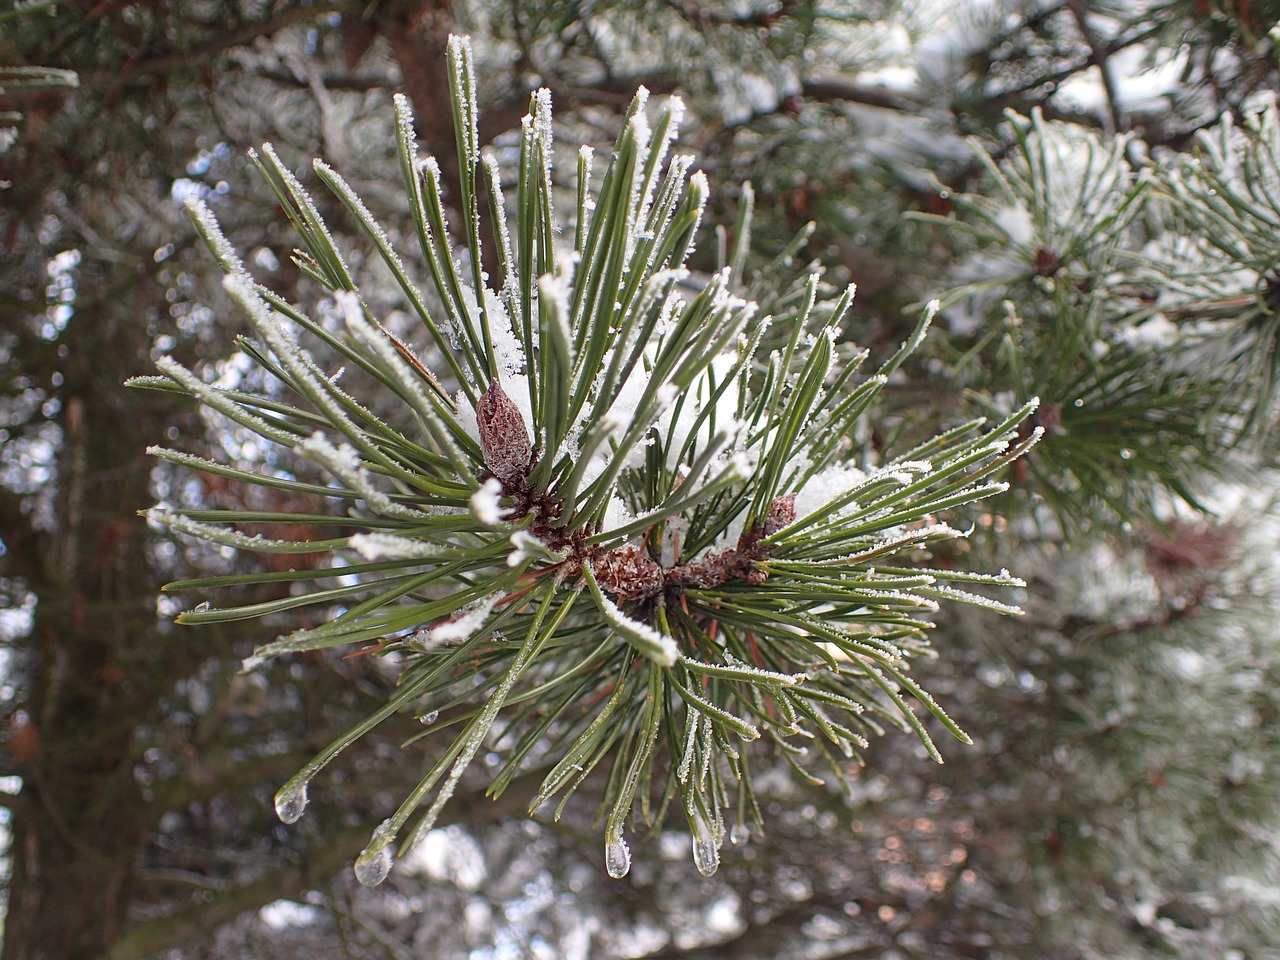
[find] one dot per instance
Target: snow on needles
(486, 505)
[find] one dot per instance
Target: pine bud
(782, 513)
(504, 438)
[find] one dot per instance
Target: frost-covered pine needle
(621, 505)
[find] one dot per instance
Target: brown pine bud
(782, 513)
(504, 437)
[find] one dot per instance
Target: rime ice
(485, 503)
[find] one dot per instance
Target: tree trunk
(92, 665)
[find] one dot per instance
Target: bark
(291, 881)
(418, 35)
(91, 667)
(91, 675)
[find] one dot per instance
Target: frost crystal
(657, 646)
(386, 546)
(485, 505)
(344, 463)
(211, 230)
(217, 400)
(462, 627)
(224, 536)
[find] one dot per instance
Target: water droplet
(617, 856)
(430, 717)
(374, 862)
(372, 867)
(706, 849)
(739, 835)
(291, 801)
(201, 607)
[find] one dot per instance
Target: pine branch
(602, 510)
(151, 937)
(163, 63)
(1100, 57)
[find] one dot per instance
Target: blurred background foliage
(1091, 188)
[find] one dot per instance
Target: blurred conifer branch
(1139, 297)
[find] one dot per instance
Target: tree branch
(24, 556)
(871, 96)
(163, 64)
(1099, 56)
(154, 936)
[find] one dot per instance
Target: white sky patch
(15, 622)
(284, 914)
(947, 41)
(1138, 86)
(448, 854)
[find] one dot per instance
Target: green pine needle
(604, 423)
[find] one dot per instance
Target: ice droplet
(374, 862)
(291, 801)
(617, 856)
(429, 718)
(372, 867)
(739, 835)
(706, 851)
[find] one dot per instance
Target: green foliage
(18, 78)
(1218, 263)
(613, 519)
(1137, 295)
(1145, 754)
